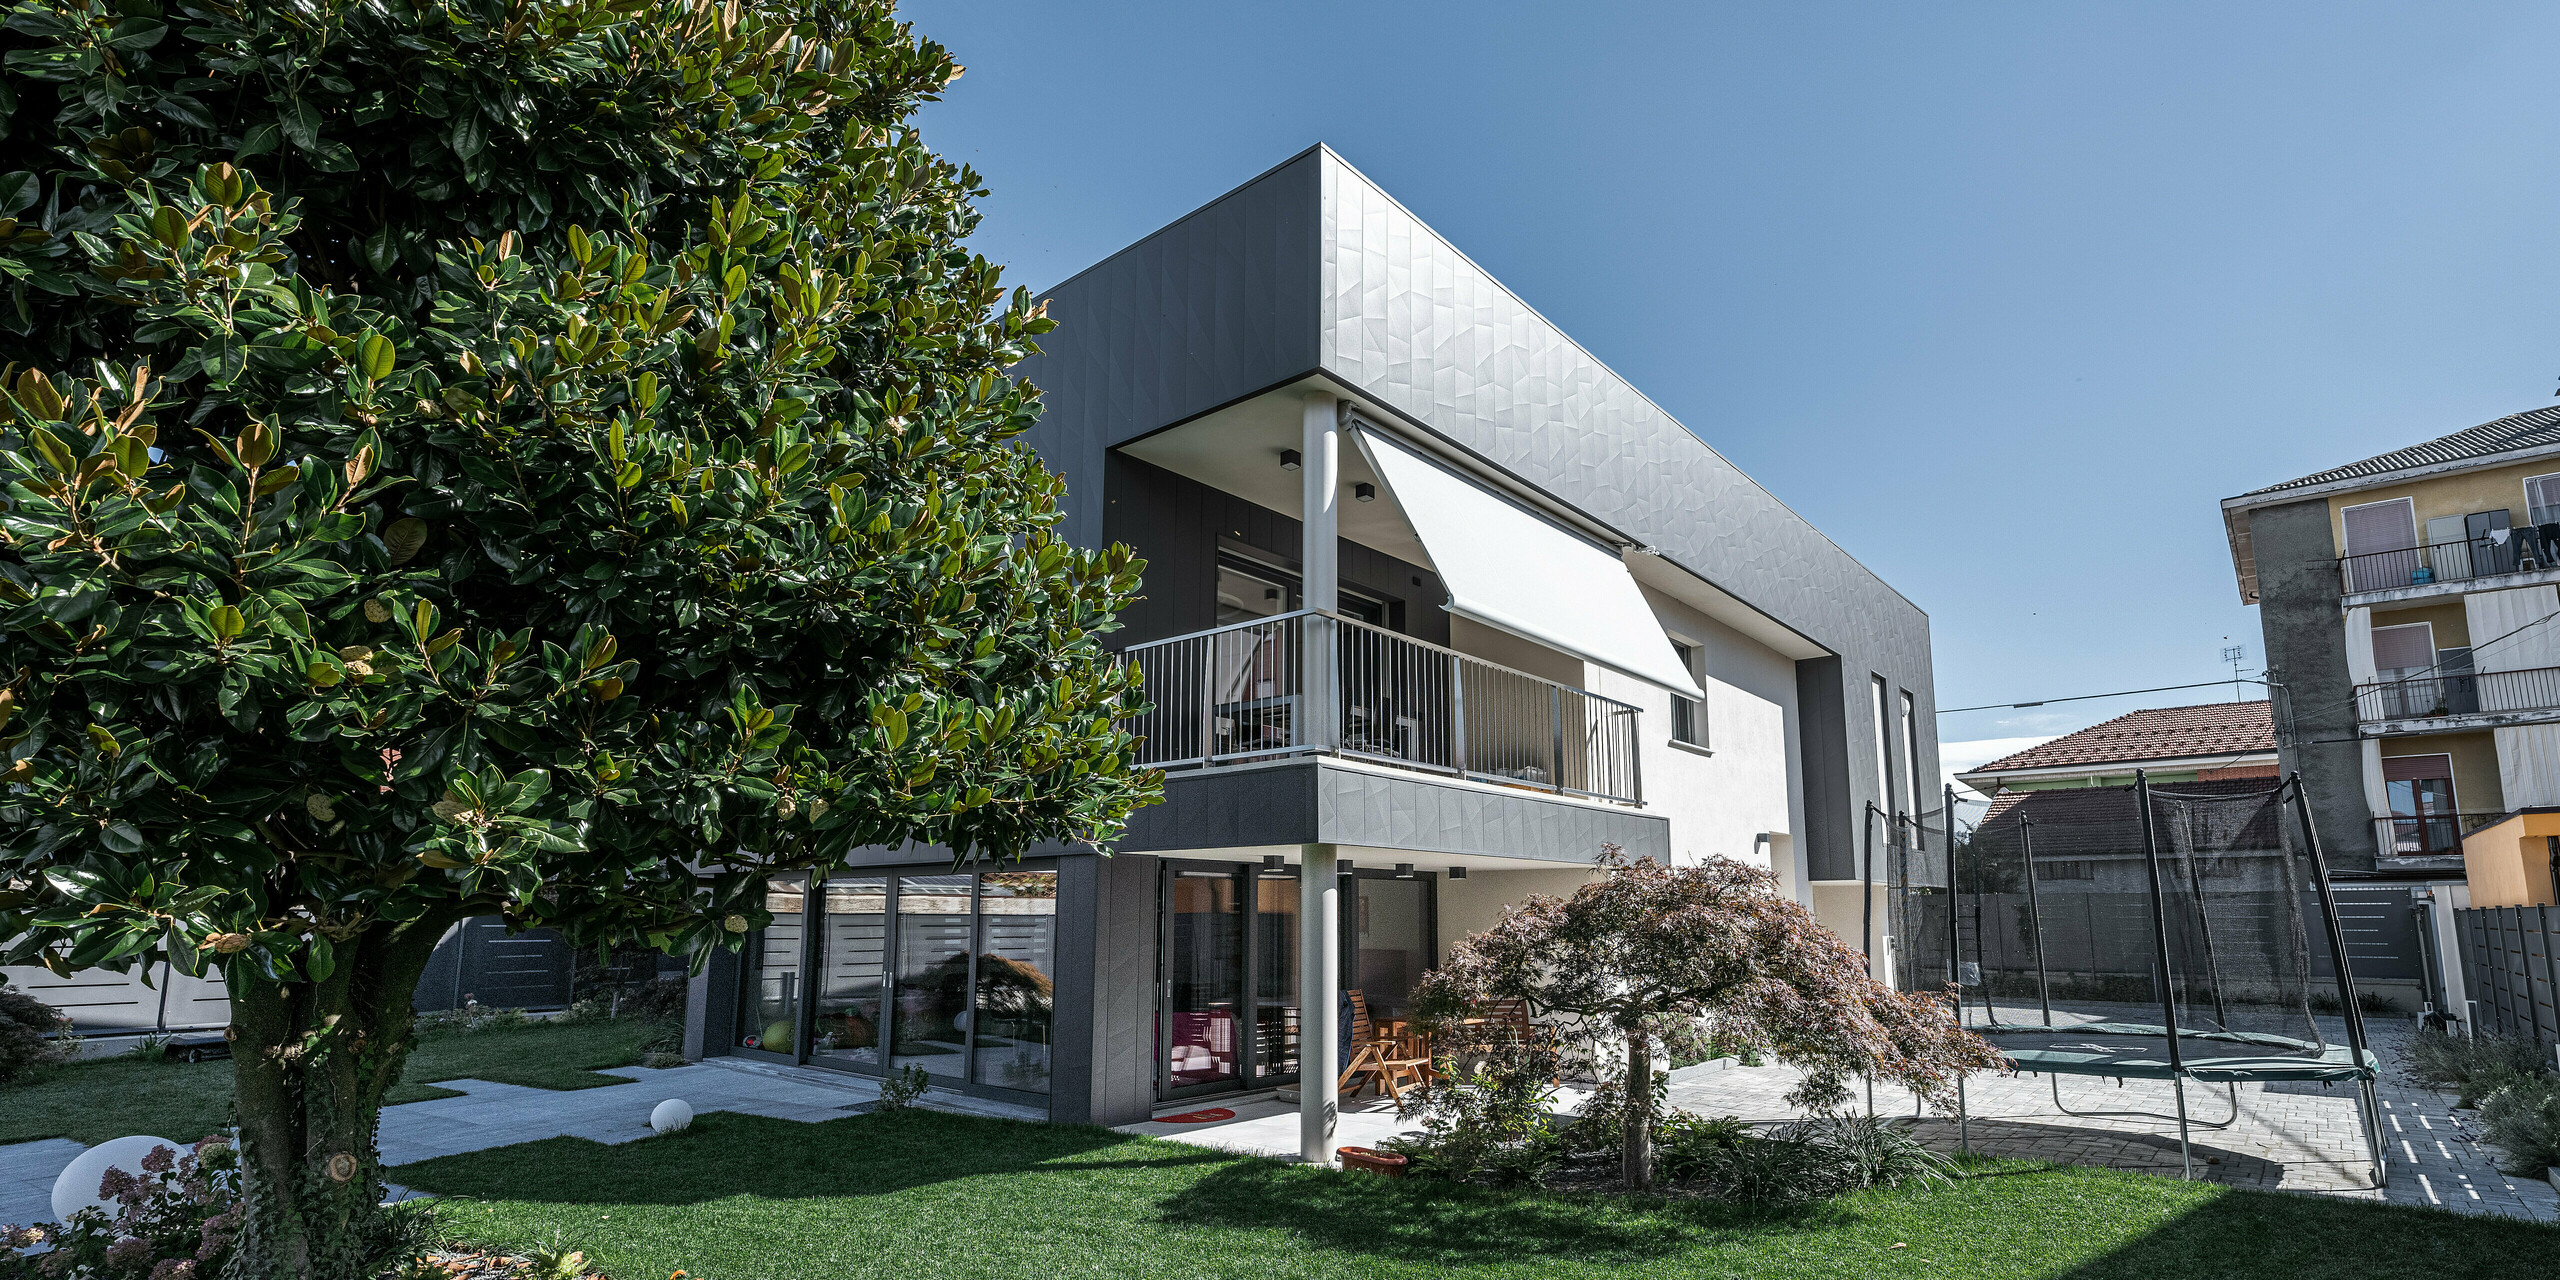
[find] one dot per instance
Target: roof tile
(2531, 429)
(2159, 733)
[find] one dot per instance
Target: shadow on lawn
(2265, 1235)
(1454, 1225)
(725, 1155)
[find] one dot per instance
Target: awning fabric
(1514, 571)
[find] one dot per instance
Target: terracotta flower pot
(1386, 1164)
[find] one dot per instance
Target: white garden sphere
(77, 1187)
(671, 1115)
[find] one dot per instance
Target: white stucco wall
(1722, 800)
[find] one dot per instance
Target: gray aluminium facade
(1313, 418)
(1312, 273)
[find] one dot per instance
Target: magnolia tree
(1644, 945)
(486, 457)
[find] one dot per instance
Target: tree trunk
(312, 1061)
(1636, 1159)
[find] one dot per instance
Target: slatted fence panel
(2512, 966)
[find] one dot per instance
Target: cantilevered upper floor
(1543, 583)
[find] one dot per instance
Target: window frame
(1689, 722)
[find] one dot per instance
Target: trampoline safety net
(2079, 941)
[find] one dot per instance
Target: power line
(2084, 697)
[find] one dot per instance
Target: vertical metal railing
(1319, 682)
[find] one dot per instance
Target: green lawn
(920, 1193)
(110, 1097)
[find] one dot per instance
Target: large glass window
(932, 1028)
(1275, 976)
(1394, 942)
(1204, 976)
(853, 968)
(1688, 715)
(1017, 973)
(769, 1016)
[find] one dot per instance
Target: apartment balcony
(1317, 683)
(2444, 569)
(2457, 701)
(2433, 835)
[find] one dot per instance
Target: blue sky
(2004, 298)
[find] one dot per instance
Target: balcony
(2448, 568)
(2434, 835)
(1314, 682)
(2459, 700)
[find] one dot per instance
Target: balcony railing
(2430, 835)
(2461, 561)
(2460, 694)
(1312, 681)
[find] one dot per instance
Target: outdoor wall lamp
(1365, 491)
(1457, 873)
(1404, 871)
(1273, 862)
(1288, 459)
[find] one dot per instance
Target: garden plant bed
(185, 1101)
(906, 1193)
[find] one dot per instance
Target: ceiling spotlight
(1288, 459)
(1365, 491)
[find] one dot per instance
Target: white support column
(1319, 1000)
(1319, 498)
(1319, 569)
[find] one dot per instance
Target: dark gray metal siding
(2306, 641)
(1177, 525)
(1207, 311)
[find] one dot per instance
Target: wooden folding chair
(1391, 1062)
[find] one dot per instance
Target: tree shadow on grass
(725, 1155)
(1455, 1225)
(2270, 1235)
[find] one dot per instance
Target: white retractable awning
(1515, 571)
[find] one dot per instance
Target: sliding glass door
(1227, 1013)
(951, 973)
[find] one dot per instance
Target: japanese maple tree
(1645, 943)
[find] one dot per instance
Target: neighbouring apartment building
(2411, 609)
(1436, 607)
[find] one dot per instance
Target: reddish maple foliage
(1645, 943)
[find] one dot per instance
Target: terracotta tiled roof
(2160, 733)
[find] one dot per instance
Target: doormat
(1210, 1116)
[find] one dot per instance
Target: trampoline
(2180, 933)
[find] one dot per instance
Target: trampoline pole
(2204, 925)
(1867, 921)
(2179, 1083)
(2160, 953)
(1964, 1120)
(2159, 926)
(1955, 916)
(2035, 917)
(2367, 1102)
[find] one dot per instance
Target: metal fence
(2433, 834)
(2458, 561)
(2507, 964)
(2460, 693)
(1313, 681)
(477, 958)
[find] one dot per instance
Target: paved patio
(2286, 1136)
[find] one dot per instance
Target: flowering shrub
(175, 1220)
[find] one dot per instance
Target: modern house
(2411, 609)
(1436, 608)
(2210, 741)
